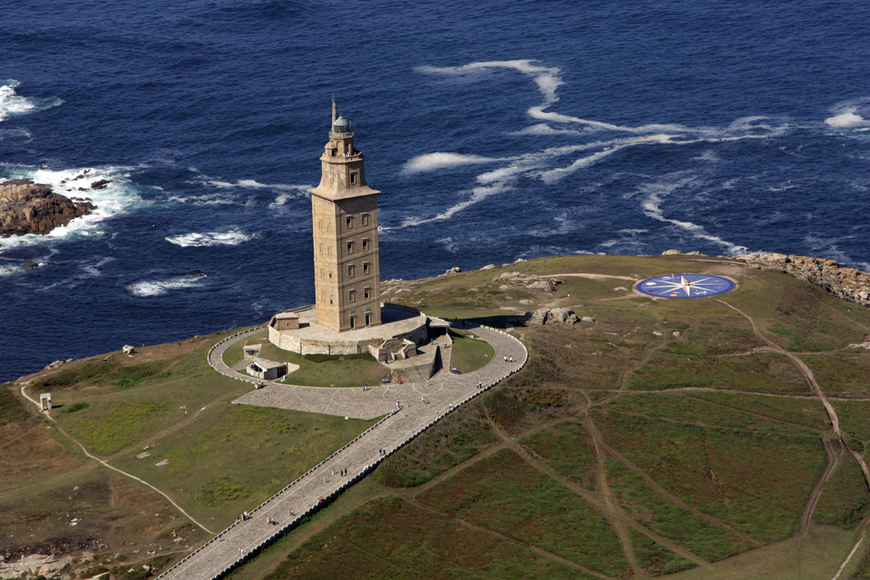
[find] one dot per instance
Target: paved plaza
(406, 416)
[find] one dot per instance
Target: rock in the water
(33, 208)
(29, 265)
(101, 184)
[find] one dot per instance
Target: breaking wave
(150, 288)
(13, 104)
(118, 197)
(207, 239)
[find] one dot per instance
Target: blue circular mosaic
(685, 286)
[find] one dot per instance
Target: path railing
(251, 551)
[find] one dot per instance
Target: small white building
(266, 369)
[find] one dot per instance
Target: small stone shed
(266, 369)
(285, 321)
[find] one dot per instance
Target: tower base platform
(397, 322)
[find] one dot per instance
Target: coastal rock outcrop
(33, 208)
(530, 281)
(846, 283)
(553, 316)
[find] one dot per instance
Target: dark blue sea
(495, 130)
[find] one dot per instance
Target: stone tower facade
(345, 223)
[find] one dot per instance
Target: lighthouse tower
(345, 223)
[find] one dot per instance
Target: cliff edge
(846, 283)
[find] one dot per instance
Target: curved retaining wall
(252, 551)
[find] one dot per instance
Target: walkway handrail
(426, 423)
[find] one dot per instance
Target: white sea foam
(851, 114)
(116, 198)
(539, 164)
(19, 134)
(847, 120)
(207, 239)
(478, 194)
(434, 161)
(652, 207)
(150, 288)
(13, 104)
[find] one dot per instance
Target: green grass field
(469, 354)
(503, 493)
(549, 474)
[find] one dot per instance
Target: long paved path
(407, 416)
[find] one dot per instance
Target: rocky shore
(33, 208)
(846, 283)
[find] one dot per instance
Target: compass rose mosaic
(685, 286)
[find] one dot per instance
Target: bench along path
(419, 406)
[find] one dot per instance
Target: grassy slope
(164, 401)
(598, 437)
(732, 469)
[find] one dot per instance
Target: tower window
(353, 177)
(365, 245)
(351, 297)
(351, 271)
(365, 219)
(366, 268)
(350, 247)
(349, 222)
(367, 292)
(353, 321)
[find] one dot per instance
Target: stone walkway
(404, 421)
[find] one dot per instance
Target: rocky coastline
(33, 208)
(846, 283)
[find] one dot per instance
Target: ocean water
(496, 131)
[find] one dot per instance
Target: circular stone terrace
(408, 410)
(312, 338)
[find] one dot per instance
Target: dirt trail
(833, 461)
(106, 464)
(835, 424)
(808, 375)
(802, 367)
(677, 501)
(619, 520)
(465, 523)
(612, 503)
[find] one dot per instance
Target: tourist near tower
(345, 224)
